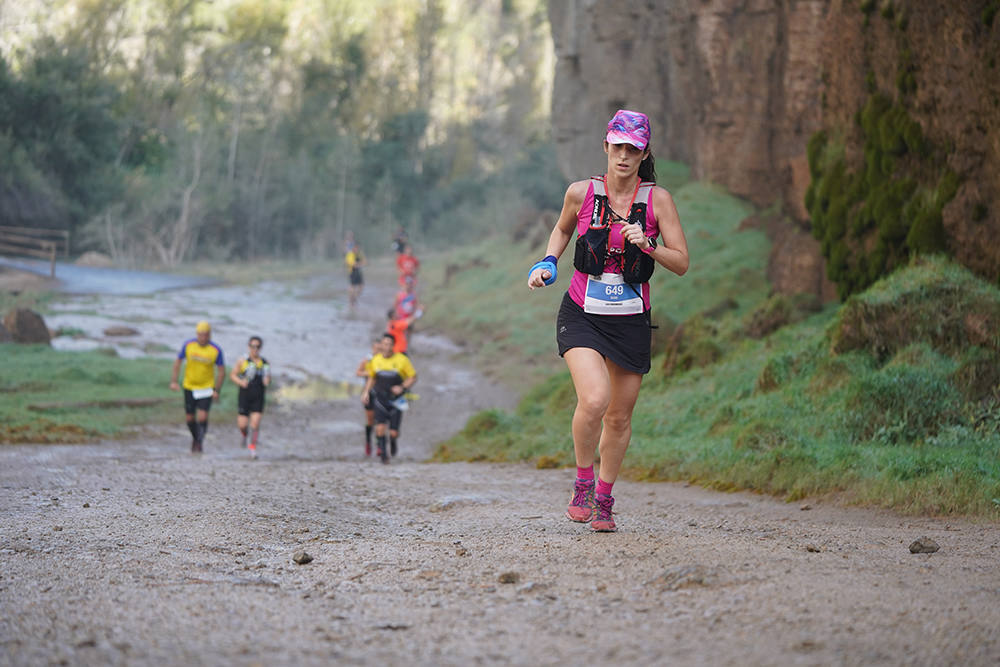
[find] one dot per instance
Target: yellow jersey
(198, 363)
(391, 371)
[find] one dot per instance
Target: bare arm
(220, 377)
(174, 374)
(234, 376)
(367, 390)
(563, 230)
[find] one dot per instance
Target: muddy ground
(138, 553)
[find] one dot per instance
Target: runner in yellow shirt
(201, 384)
(354, 259)
(391, 376)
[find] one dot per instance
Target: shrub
(900, 404)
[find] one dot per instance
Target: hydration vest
(591, 252)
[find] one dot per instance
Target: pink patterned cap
(629, 127)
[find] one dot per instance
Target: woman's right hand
(538, 278)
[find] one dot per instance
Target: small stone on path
(301, 558)
(924, 545)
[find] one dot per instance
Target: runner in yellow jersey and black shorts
(199, 356)
(391, 376)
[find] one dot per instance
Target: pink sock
(585, 473)
(603, 487)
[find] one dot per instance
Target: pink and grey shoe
(603, 521)
(581, 507)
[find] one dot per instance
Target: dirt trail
(138, 553)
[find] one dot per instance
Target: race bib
(609, 294)
(199, 394)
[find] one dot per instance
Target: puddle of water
(73, 279)
(313, 342)
(318, 390)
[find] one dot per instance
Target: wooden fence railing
(34, 242)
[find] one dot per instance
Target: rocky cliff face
(736, 88)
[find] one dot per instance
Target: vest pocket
(591, 251)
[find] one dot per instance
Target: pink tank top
(596, 191)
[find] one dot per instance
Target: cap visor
(618, 138)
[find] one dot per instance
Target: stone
(95, 259)
(120, 330)
(924, 545)
(26, 326)
(301, 558)
(509, 577)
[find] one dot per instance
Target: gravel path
(138, 553)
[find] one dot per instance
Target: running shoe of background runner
(253, 450)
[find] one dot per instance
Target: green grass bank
(51, 396)
(890, 399)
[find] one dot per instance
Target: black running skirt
(624, 339)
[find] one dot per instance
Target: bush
(901, 404)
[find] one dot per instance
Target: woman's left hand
(636, 235)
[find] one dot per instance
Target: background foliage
(169, 130)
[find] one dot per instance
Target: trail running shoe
(383, 455)
(253, 450)
(581, 507)
(603, 521)
(368, 449)
(392, 447)
(195, 447)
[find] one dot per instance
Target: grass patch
(50, 396)
(33, 300)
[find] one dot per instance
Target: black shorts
(356, 277)
(624, 339)
(371, 401)
(191, 403)
(249, 401)
(385, 411)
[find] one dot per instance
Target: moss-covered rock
(871, 219)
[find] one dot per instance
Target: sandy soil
(139, 553)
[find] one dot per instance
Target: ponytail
(647, 169)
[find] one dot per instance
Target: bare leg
(592, 383)
(617, 429)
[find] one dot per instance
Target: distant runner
(354, 259)
(199, 355)
(399, 239)
(399, 328)
(391, 375)
(252, 374)
(408, 266)
(406, 305)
